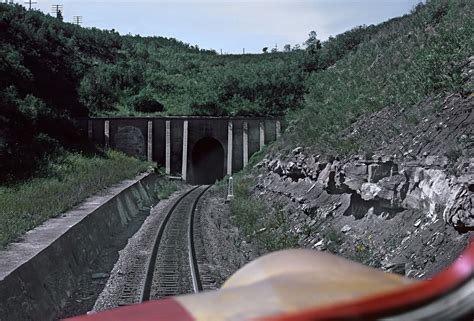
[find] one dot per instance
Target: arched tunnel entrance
(207, 161)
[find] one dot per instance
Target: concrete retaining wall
(38, 274)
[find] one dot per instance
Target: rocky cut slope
(405, 205)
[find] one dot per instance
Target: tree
(287, 48)
(312, 56)
(59, 15)
(265, 50)
(313, 44)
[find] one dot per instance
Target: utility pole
(221, 52)
(243, 51)
(57, 9)
(77, 20)
(28, 2)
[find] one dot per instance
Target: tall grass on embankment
(69, 180)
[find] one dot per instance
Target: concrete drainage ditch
(40, 274)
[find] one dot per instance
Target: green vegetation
(165, 189)
(52, 72)
(333, 238)
(363, 253)
(405, 61)
(266, 227)
(70, 179)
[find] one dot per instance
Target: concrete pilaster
(149, 153)
(185, 151)
(107, 133)
(278, 129)
(90, 130)
(246, 143)
(230, 128)
(168, 147)
(262, 135)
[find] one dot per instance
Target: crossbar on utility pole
(56, 9)
(29, 2)
(77, 20)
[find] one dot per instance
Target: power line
(77, 20)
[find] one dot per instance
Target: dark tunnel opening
(207, 161)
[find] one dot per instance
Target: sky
(230, 25)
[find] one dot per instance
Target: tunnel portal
(207, 161)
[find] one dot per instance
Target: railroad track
(176, 264)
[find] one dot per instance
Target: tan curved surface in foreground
(289, 281)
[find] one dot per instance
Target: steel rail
(193, 262)
(152, 262)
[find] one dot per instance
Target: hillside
(409, 59)
(335, 95)
(375, 162)
(378, 165)
(54, 71)
(42, 64)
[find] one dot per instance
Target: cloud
(231, 24)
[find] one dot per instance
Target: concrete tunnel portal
(207, 161)
(199, 149)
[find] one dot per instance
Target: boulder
(438, 161)
(369, 191)
(355, 169)
(378, 171)
(459, 211)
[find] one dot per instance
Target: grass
(69, 180)
(266, 227)
(407, 61)
(165, 189)
(334, 239)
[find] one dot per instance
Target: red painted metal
(161, 310)
(394, 302)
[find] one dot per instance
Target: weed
(69, 180)
(165, 189)
(362, 253)
(268, 228)
(333, 239)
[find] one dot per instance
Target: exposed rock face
(380, 184)
(407, 206)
